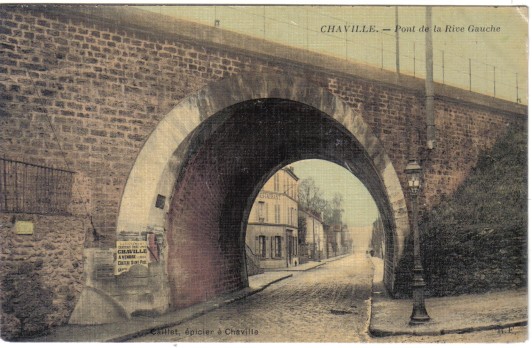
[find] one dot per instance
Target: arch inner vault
(208, 159)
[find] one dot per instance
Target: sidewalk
(122, 331)
(305, 266)
(454, 314)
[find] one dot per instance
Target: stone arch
(161, 164)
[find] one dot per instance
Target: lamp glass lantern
(413, 172)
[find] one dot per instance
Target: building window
(276, 182)
(278, 246)
(261, 211)
(292, 191)
(292, 216)
(262, 246)
(277, 214)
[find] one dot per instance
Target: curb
(321, 263)
(288, 270)
(367, 327)
(253, 292)
(213, 307)
(370, 314)
(373, 332)
(384, 333)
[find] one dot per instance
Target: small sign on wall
(24, 227)
(130, 253)
(104, 263)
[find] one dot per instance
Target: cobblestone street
(326, 304)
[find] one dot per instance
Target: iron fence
(35, 189)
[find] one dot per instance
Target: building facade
(272, 230)
(377, 239)
(314, 239)
(334, 240)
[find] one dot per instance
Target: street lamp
(419, 313)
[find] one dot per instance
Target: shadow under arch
(213, 152)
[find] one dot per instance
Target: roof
(311, 213)
(290, 171)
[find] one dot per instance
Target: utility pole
(397, 70)
(429, 81)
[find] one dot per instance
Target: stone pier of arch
(208, 159)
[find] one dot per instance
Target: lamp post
(419, 313)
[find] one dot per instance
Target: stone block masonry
(41, 274)
(101, 92)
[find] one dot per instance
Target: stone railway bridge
(171, 128)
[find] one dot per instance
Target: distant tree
(337, 210)
(311, 198)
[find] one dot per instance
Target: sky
(360, 209)
(505, 48)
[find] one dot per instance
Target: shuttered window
(262, 246)
(278, 246)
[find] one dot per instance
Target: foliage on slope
(476, 240)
